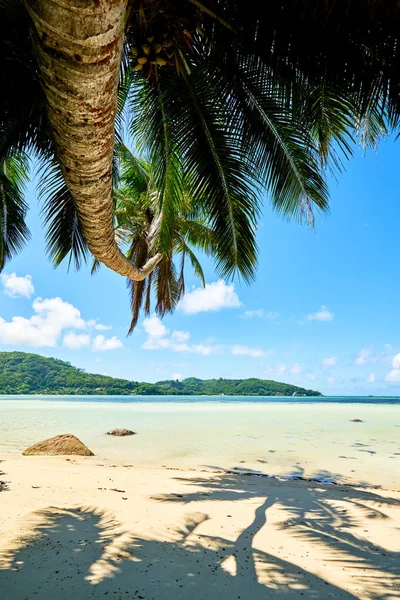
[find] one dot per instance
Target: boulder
(121, 432)
(66, 444)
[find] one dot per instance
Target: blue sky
(323, 312)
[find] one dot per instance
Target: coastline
(97, 527)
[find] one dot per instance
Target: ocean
(312, 438)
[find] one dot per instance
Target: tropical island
(24, 373)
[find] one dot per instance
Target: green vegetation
(22, 373)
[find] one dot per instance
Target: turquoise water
(312, 437)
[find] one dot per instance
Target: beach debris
(121, 432)
(356, 421)
(65, 444)
(116, 490)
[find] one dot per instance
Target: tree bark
(79, 47)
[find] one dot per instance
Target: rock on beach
(65, 445)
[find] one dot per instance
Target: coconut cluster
(153, 52)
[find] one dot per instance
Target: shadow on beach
(80, 553)
(3, 484)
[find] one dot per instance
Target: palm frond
(184, 249)
(139, 254)
(168, 291)
(156, 137)
(64, 236)
(14, 233)
(215, 170)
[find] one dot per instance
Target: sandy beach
(78, 528)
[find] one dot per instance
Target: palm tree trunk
(79, 47)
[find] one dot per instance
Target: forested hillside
(22, 373)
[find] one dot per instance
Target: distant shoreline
(193, 398)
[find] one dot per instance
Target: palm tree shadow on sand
(81, 553)
(3, 483)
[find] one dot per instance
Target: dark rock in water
(66, 444)
(121, 432)
(356, 421)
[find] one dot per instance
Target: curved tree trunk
(79, 46)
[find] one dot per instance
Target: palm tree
(137, 222)
(239, 100)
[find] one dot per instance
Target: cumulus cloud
(159, 337)
(213, 297)
(52, 316)
(330, 380)
(75, 341)
(154, 327)
(239, 350)
(396, 362)
(260, 313)
(394, 375)
(364, 356)
(100, 343)
(296, 369)
(323, 314)
(17, 287)
(180, 336)
(371, 378)
(51, 319)
(331, 361)
(98, 326)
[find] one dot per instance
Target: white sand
(187, 534)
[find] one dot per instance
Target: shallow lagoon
(303, 436)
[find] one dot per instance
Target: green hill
(22, 373)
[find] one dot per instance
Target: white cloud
(323, 314)
(203, 349)
(180, 336)
(176, 376)
(330, 380)
(296, 369)
(154, 327)
(331, 361)
(260, 313)
(17, 287)
(74, 341)
(239, 350)
(98, 326)
(311, 376)
(276, 371)
(394, 375)
(52, 316)
(160, 338)
(371, 378)
(100, 343)
(367, 356)
(364, 356)
(396, 362)
(211, 298)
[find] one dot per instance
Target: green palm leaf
(64, 237)
(14, 233)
